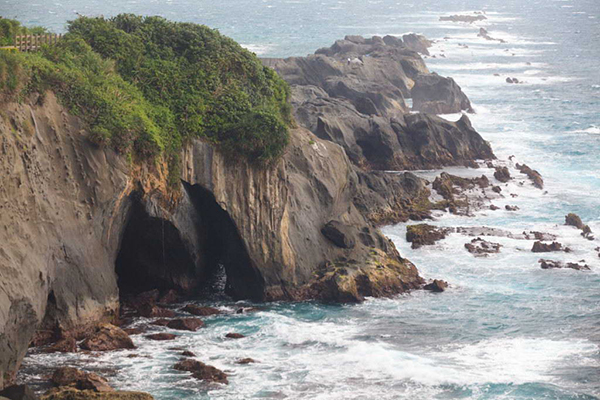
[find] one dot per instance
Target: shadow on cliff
(199, 253)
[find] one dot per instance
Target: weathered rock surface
(574, 220)
(436, 94)
(233, 335)
(502, 174)
(108, 337)
(202, 371)
(416, 42)
(162, 336)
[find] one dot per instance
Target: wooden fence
(34, 42)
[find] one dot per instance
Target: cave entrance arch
(197, 250)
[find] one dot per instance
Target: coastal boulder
(186, 324)
(69, 376)
(202, 371)
(18, 392)
(424, 234)
(162, 336)
(539, 247)
(481, 247)
(67, 393)
(437, 286)
(502, 174)
(551, 264)
(533, 175)
(108, 337)
(416, 42)
(201, 311)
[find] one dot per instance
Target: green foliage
(9, 28)
(145, 85)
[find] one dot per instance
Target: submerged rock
(202, 371)
(436, 286)
(464, 18)
(201, 311)
(244, 361)
(424, 234)
(551, 264)
(108, 337)
(187, 353)
(511, 208)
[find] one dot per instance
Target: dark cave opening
(200, 254)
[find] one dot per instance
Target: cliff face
(354, 94)
(79, 224)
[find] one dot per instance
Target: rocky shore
(84, 228)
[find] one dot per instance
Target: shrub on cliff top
(145, 85)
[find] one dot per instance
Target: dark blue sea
(506, 329)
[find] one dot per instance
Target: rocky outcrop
(551, 264)
(72, 377)
(436, 94)
(437, 286)
(502, 174)
(186, 324)
(424, 234)
(75, 394)
(574, 220)
(108, 337)
(533, 175)
(201, 311)
(481, 247)
(79, 224)
(539, 247)
(354, 92)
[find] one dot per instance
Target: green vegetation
(9, 28)
(145, 85)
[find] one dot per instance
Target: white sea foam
(259, 49)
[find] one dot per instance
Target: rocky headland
(87, 228)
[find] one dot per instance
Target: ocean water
(505, 329)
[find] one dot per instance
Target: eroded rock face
(416, 42)
(539, 247)
(262, 224)
(353, 94)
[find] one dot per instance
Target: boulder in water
(539, 247)
(69, 376)
(186, 324)
(202, 371)
(502, 174)
(424, 234)
(108, 337)
(436, 286)
(201, 311)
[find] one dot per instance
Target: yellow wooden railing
(32, 42)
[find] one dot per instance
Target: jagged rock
(18, 392)
(437, 286)
(416, 42)
(502, 174)
(187, 353)
(539, 247)
(69, 376)
(186, 324)
(201, 311)
(464, 18)
(511, 208)
(75, 394)
(496, 189)
(161, 336)
(533, 175)
(339, 234)
(485, 34)
(66, 345)
(438, 95)
(482, 247)
(108, 337)
(574, 220)
(551, 264)
(233, 335)
(494, 208)
(202, 371)
(246, 310)
(244, 361)
(424, 234)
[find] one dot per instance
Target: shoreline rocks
(464, 18)
(482, 248)
(551, 264)
(437, 286)
(424, 235)
(106, 338)
(533, 175)
(202, 371)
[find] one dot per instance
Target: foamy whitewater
(506, 329)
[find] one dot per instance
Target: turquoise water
(506, 329)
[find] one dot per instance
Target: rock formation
(354, 92)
